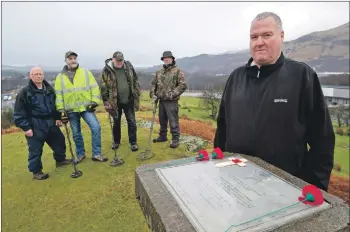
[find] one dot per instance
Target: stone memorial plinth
(188, 195)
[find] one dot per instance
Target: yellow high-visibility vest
(76, 96)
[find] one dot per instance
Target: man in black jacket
(273, 107)
(35, 113)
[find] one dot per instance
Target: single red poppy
(202, 155)
(311, 195)
(217, 153)
(236, 161)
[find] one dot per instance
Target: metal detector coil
(115, 162)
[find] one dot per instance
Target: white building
(336, 95)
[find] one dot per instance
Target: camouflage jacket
(109, 83)
(168, 84)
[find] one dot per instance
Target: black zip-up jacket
(273, 113)
(32, 102)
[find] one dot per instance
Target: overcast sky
(40, 33)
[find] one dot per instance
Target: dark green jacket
(109, 84)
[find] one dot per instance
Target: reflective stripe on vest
(76, 105)
(86, 88)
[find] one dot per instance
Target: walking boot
(115, 146)
(174, 143)
(40, 176)
(160, 139)
(134, 147)
(63, 163)
(79, 159)
(99, 158)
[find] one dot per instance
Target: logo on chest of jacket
(280, 100)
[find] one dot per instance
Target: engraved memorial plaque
(243, 198)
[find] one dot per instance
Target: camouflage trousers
(169, 112)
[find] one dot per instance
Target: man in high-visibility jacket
(78, 95)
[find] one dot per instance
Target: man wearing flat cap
(167, 86)
(78, 94)
(120, 90)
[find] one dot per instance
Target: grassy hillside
(103, 198)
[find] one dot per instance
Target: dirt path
(339, 186)
(193, 127)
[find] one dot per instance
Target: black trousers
(129, 112)
(45, 131)
(169, 112)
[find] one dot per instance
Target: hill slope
(327, 51)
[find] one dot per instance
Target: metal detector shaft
(76, 173)
(148, 153)
(70, 147)
(154, 103)
(110, 123)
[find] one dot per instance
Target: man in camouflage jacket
(167, 86)
(120, 90)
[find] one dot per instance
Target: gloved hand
(91, 107)
(64, 119)
(154, 98)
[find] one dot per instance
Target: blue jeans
(94, 125)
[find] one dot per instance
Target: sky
(39, 33)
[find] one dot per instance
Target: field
(103, 199)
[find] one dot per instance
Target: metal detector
(147, 154)
(115, 162)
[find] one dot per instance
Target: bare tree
(211, 98)
(340, 113)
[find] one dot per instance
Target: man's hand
(64, 119)
(154, 98)
(58, 123)
(108, 107)
(29, 133)
(91, 107)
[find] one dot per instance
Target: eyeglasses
(37, 74)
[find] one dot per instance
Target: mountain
(26, 68)
(326, 51)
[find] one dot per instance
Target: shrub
(7, 119)
(340, 131)
(337, 167)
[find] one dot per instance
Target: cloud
(41, 32)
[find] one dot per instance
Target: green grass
(341, 154)
(197, 110)
(103, 199)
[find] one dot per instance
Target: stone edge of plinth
(338, 212)
(160, 209)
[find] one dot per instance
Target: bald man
(35, 113)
